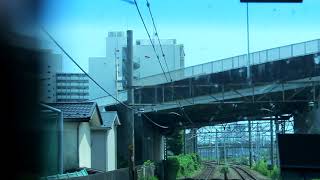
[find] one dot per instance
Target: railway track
(212, 171)
(207, 172)
(243, 174)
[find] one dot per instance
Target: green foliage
(148, 163)
(185, 165)
(262, 167)
(175, 142)
(224, 169)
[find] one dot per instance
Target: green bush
(262, 167)
(148, 163)
(184, 165)
(224, 169)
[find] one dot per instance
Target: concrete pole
(184, 141)
(224, 149)
(277, 132)
(250, 143)
(130, 101)
(217, 149)
(248, 47)
(60, 139)
(195, 140)
(257, 142)
(211, 149)
(271, 143)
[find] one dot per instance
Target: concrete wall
(70, 148)
(112, 149)
(99, 150)
(84, 145)
(108, 149)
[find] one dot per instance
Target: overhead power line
(153, 46)
(93, 80)
(157, 34)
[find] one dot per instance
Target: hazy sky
(209, 29)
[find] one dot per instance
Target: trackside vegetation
(184, 165)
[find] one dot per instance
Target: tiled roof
(76, 111)
(109, 118)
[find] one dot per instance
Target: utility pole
(184, 141)
(271, 143)
(217, 148)
(257, 142)
(130, 101)
(211, 140)
(250, 143)
(248, 47)
(224, 149)
(277, 132)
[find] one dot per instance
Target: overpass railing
(269, 55)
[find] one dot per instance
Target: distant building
(115, 44)
(145, 56)
(72, 87)
(109, 71)
(102, 71)
(51, 65)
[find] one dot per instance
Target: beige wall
(70, 147)
(84, 145)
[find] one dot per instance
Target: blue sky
(209, 29)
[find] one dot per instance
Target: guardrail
(269, 55)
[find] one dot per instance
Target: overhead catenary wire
(160, 45)
(153, 47)
(93, 80)
(157, 56)
(157, 35)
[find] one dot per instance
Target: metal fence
(269, 55)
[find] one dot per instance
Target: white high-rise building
(108, 71)
(103, 71)
(115, 44)
(145, 56)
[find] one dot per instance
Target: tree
(175, 142)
